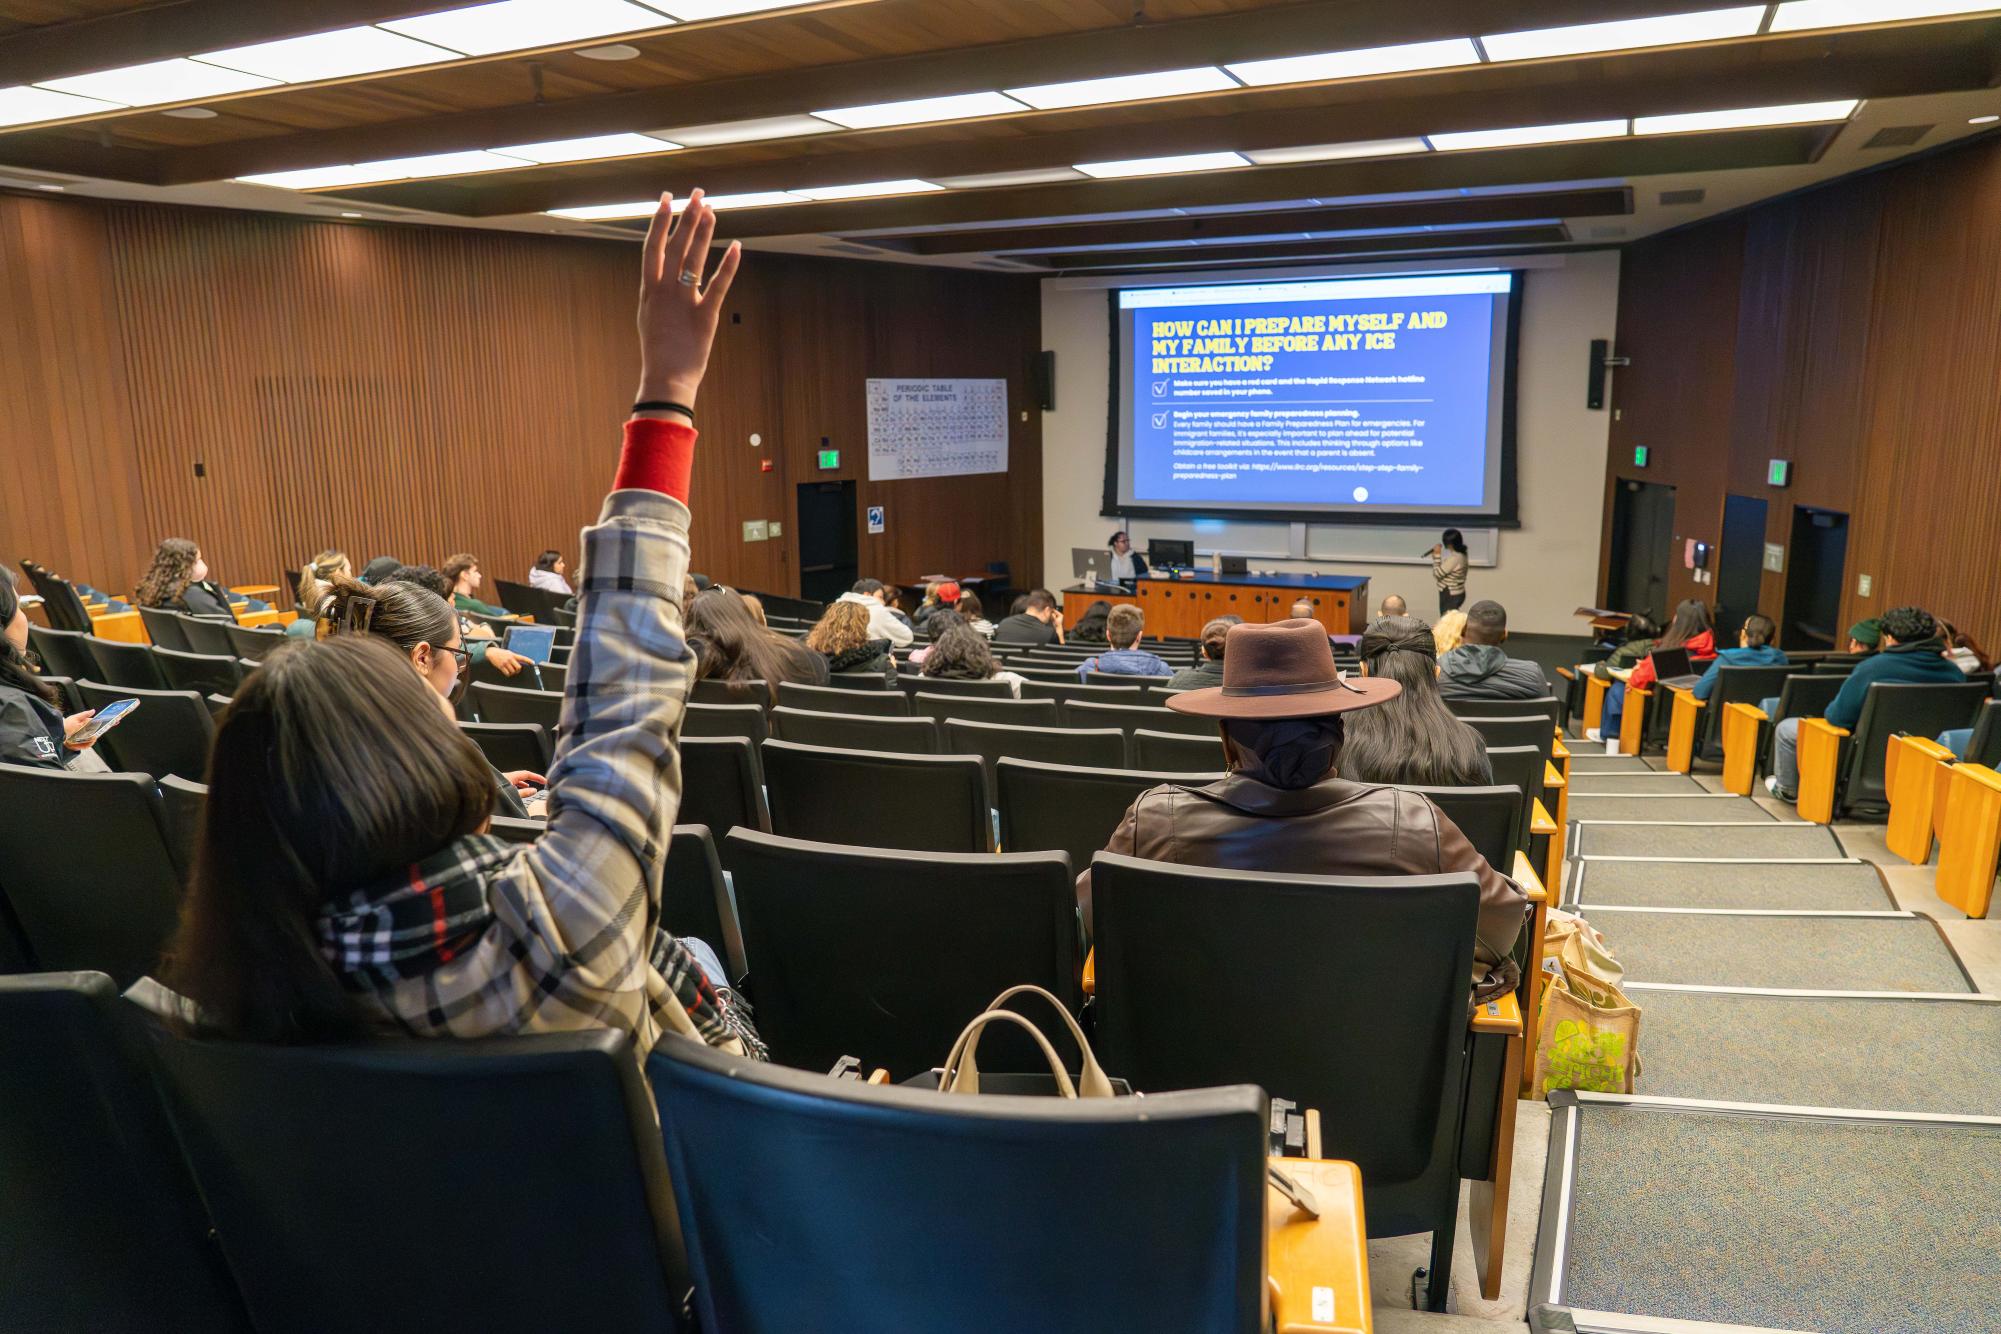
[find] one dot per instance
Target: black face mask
(1285, 753)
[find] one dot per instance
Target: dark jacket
(1484, 671)
(1206, 673)
(1624, 658)
(1920, 662)
(869, 659)
(1334, 827)
(31, 730)
(207, 599)
(1024, 629)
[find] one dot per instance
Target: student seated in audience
(1302, 609)
(315, 582)
(344, 886)
(1090, 627)
(1285, 806)
(481, 644)
(1412, 738)
(1865, 636)
(970, 611)
(177, 580)
(755, 606)
(1965, 653)
(1912, 651)
(845, 638)
(937, 597)
(1035, 621)
(424, 628)
(33, 729)
(936, 628)
(1394, 605)
(548, 573)
(730, 646)
(1754, 649)
(1641, 633)
(1448, 630)
(378, 569)
(960, 653)
(1209, 670)
(1480, 669)
(884, 622)
(1690, 630)
(462, 573)
(1126, 657)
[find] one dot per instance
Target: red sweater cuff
(658, 456)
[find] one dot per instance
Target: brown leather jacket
(1334, 827)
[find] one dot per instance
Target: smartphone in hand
(107, 718)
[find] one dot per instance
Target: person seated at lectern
(1394, 605)
(1285, 806)
(1480, 669)
(1412, 739)
(1127, 658)
(1035, 621)
(1127, 564)
(1754, 649)
(1209, 671)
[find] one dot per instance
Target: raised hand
(678, 313)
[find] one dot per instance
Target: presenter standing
(1127, 564)
(1448, 567)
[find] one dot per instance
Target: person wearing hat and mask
(1283, 805)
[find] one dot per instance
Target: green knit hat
(1868, 632)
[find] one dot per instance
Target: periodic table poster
(936, 428)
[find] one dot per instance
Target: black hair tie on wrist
(662, 405)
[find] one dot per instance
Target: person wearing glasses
(423, 626)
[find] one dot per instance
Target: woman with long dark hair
(1690, 629)
(33, 730)
(1090, 627)
(344, 884)
(1448, 567)
(549, 573)
(1413, 739)
(730, 646)
(961, 654)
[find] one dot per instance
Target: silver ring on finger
(689, 277)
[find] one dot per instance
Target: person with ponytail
(315, 582)
(1413, 739)
(33, 730)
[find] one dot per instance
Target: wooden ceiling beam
(180, 27)
(1314, 25)
(1606, 201)
(1474, 97)
(1195, 256)
(1499, 167)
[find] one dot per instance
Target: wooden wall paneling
(742, 397)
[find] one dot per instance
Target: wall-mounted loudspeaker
(1042, 380)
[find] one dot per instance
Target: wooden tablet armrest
(1560, 751)
(1540, 822)
(1819, 754)
(1566, 673)
(1317, 1269)
(1503, 1014)
(1525, 875)
(1091, 973)
(1552, 777)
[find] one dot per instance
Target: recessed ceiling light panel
(1523, 135)
(159, 81)
(1000, 179)
(1801, 113)
(1124, 88)
(693, 11)
(746, 131)
(387, 169)
(1163, 166)
(587, 148)
(514, 25)
(27, 106)
(1335, 152)
(866, 190)
(1800, 14)
(1357, 64)
(960, 106)
(329, 55)
(1707, 25)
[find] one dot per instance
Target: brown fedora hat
(1281, 670)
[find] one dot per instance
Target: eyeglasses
(461, 656)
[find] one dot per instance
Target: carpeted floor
(1832, 1226)
(1634, 785)
(1770, 841)
(1882, 1055)
(1590, 762)
(1818, 953)
(1706, 809)
(1833, 887)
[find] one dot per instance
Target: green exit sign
(1639, 456)
(830, 458)
(1780, 472)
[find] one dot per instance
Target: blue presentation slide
(1355, 392)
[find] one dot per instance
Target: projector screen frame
(1508, 509)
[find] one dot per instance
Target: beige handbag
(1588, 1034)
(962, 1075)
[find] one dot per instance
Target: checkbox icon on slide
(1159, 420)
(1160, 389)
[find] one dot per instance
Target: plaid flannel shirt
(574, 942)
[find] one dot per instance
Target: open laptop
(532, 642)
(1672, 667)
(1092, 566)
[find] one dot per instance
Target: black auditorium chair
(696, 899)
(745, 720)
(1066, 807)
(256, 644)
(993, 742)
(903, 736)
(217, 704)
(968, 708)
(833, 699)
(864, 683)
(210, 635)
(163, 627)
(63, 652)
(722, 784)
(169, 733)
(1890, 709)
(1984, 747)
(1382, 963)
(511, 746)
(1524, 769)
(514, 829)
(937, 936)
(1129, 717)
(63, 605)
(1043, 674)
(72, 698)
(882, 1199)
(1505, 731)
(910, 683)
(1734, 685)
(839, 796)
(1178, 752)
(1805, 694)
(121, 664)
(454, 1139)
(1063, 694)
(182, 803)
(714, 691)
(512, 704)
(1490, 817)
(100, 1221)
(1545, 706)
(200, 672)
(86, 869)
